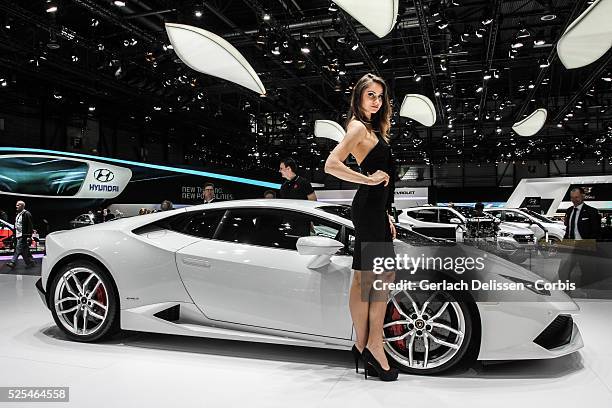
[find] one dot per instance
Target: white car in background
(525, 218)
(513, 241)
(279, 271)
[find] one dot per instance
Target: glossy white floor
(149, 370)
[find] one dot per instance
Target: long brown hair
(381, 120)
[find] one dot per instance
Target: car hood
(515, 230)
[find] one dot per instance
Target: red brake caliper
(100, 295)
(397, 329)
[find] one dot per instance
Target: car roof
(263, 202)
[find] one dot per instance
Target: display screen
(41, 176)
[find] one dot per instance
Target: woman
(367, 139)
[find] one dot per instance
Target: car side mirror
(455, 221)
(322, 247)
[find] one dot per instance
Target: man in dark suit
(581, 220)
(582, 229)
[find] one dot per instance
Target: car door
(250, 273)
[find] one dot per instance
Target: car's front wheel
(84, 301)
(427, 332)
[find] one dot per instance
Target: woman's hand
(393, 230)
(378, 177)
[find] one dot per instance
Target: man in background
(23, 236)
(294, 187)
(209, 193)
(582, 229)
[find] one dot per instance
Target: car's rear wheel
(427, 332)
(84, 302)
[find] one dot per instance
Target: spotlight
(383, 59)
(487, 21)
(355, 46)
(480, 32)
(531, 85)
(92, 108)
(498, 130)
(442, 24)
(198, 13)
(305, 49)
(119, 3)
(544, 63)
(332, 7)
(437, 93)
(607, 77)
(539, 41)
(517, 44)
(548, 17)
(276, 49)
(416, 77)
(523, 33)
(94, 22)
(479, 89)
(51, 6)
(74, 58)
(266, 17)
(487, 76)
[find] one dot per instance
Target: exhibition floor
(151, 370)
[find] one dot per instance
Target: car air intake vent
(171, 314)
(557, 334)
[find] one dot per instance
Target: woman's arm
(335, 166)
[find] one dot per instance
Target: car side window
(427, 215)
(201, 224)
(273, 228)
(515, 217)
(446, 215)
(497, 214)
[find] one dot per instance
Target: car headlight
(528, 284)
(505, 234)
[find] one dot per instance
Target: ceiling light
(523, 33)
(119, 3)
(486, 76)
(486, 21)
(442, 24)
(479, 89)
(198, 13)
(548, 17)
(266, 17)
(539, 41)
(305, 49)
(332, 7)
(51, 6)
(544, 63)
(355, 46)
(416, 77)
(517, 44)
(92, 108)
(607, 77)
(75, 58)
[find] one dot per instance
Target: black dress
(369, 209)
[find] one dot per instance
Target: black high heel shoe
(358, 356)
(385, 375)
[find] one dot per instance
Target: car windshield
(403, 234)
(535, 215)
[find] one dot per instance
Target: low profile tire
(427, 332)
(84, 302)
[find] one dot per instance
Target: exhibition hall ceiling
(485, 65)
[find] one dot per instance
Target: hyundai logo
(104, 175)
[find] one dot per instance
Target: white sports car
(279, 271)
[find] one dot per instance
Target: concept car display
(279, 271)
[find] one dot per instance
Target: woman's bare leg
(359, 305)
(378, 307)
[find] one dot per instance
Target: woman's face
(372, 98)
